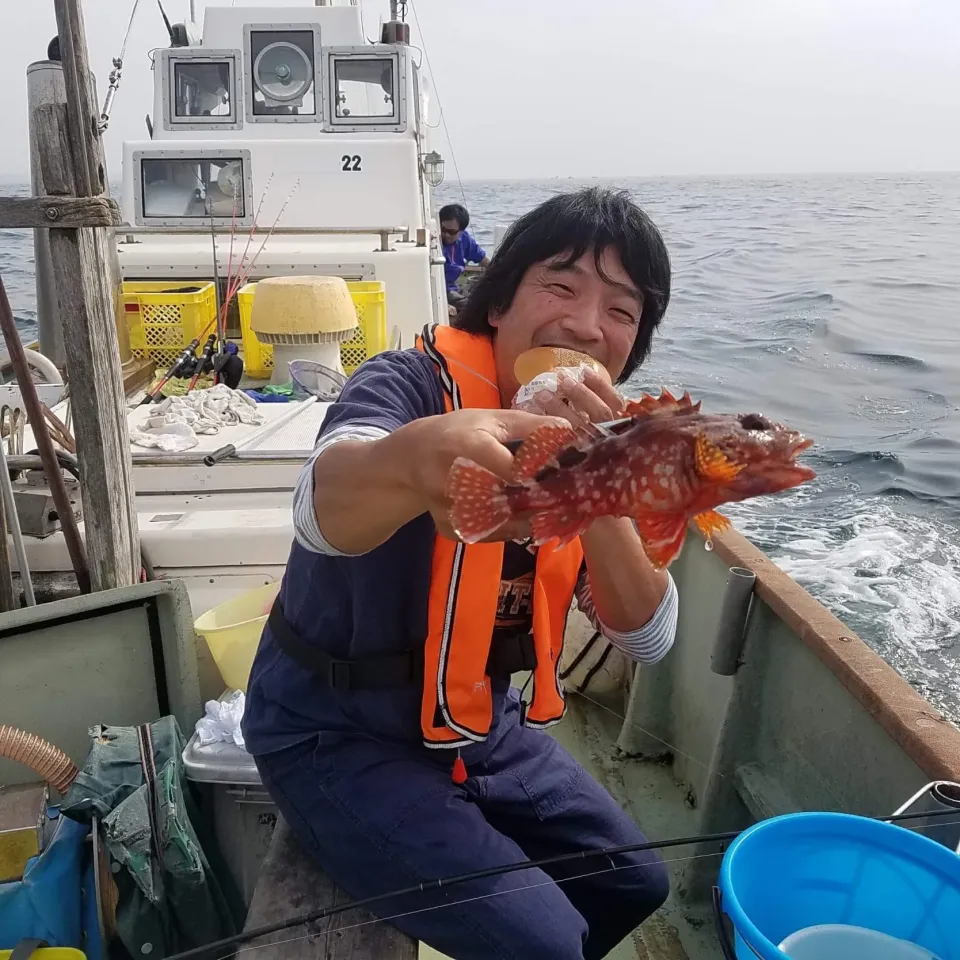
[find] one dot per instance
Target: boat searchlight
(433, 168)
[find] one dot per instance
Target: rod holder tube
(936, 798)
(734, 611)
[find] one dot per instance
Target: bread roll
(531, 363)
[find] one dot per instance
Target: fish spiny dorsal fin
(647, 405)
(540, 450)
(712, 463)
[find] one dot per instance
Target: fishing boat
(283, 142)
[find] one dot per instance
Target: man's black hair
(567, 226)
(455, 211)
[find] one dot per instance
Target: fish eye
(754, 421)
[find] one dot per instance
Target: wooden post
(46, 102)
(79, 259)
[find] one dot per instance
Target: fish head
(749, 455)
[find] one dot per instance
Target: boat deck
(648, 791)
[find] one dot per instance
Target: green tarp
(174, 891)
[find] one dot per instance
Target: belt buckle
(339, 676)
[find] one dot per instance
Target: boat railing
(385, 233)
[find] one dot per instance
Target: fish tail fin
(478, 501)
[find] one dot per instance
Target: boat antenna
(170, 31)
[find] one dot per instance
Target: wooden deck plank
(291, 884)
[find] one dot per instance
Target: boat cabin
(289, 122)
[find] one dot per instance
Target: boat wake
(892, 576)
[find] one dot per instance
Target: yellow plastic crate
(163, 319)
(370, 300)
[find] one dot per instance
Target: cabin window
(201, 90)
(181, 188)
(282, 73)
(366, 89)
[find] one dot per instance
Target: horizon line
(22, 178)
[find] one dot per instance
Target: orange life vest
(457, 706)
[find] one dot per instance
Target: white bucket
(839, 941)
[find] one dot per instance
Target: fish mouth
(782, 476)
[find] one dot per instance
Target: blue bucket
(797, 871)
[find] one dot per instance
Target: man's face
(571, 307)
(449, 231)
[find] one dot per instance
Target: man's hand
(433, 443)
(626, 589)
(593, 400)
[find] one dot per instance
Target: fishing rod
(187, 356)
(205, 358)
(430, 885)
(220, 309)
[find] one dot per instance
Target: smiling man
(379, 709)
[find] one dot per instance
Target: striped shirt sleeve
(306, 529)
(648, 644)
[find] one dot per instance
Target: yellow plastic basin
(50, 953)
(232, 631)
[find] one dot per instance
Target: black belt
(385, 670)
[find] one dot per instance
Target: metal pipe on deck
(734, 612)
(13, 522)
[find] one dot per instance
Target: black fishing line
(431, 885)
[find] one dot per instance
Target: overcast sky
(532, 88)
